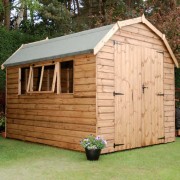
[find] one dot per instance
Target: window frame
(30, 80)
(56, 79)
(60, 76)
(20, 79)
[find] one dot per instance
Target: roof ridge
(88, 41)
(36, 41)
(81, 33)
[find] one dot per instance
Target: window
(67, 77)
(24, 79)
(49, 78)
(42, 79)
(36, 73)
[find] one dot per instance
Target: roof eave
(3, 66)
(101, 43)
(89, 51)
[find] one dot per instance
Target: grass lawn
(22, 160)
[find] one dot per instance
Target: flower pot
(3, 134)
(93, 154)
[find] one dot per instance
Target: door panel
(128, 106)
(160, 99)
(139, 111)
(148, 110)
(120, 123)
(152, 103)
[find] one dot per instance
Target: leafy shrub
(177, 84)
(10, 42)
(92, 142)
(2, 122)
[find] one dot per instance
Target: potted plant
(93, 146)
(2, 125)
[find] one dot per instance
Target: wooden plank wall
(169, 99)
(140, 35)
(105, 98)
(59, 120)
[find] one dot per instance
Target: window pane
(67, 77)
(36, 77)
(24, 79)
(48, 78)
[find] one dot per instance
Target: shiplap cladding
(138, 35)
(62, 120)
(55, 119)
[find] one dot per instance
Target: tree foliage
(55, 16)
(10, 42)
(35, 19)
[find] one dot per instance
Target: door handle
(143, 87)
(114, 93)
(160, 94)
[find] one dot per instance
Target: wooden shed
(115, 81)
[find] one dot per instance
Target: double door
(138, 94)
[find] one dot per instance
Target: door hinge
(160, 94)
(118, 145)
(161, 138)
(143, 87)
(114, 93)
(160, 52)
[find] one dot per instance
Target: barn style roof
(77, 43)
(89, 41)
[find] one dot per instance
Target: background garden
(26, 161)
(24, 21)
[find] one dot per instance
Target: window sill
(40, 92)
(46, 92)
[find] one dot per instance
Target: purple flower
(92, 142)
(98, 138)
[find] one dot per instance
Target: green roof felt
(73, 44)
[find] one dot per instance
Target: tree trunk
(25, 14)
(173, 4)
(77, 4)
(69, 5)
(6, 4)
(74, 5)
(19, 17)
(90, 7)
(103, 11)
(1, 18)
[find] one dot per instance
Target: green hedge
(177, 79)
(10, 41)
(177, 85)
